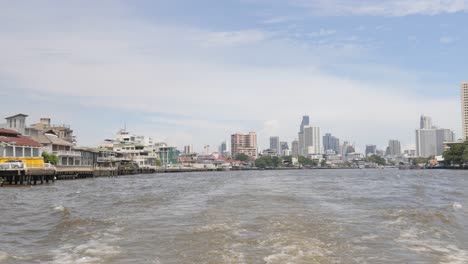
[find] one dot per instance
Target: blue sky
(193, 72)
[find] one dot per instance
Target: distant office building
(430, 141)
(331, 143)
(426, 122)
(464, 103)
(380, 153)
(295, 148)
(311, 141)
(188, 149)
(275, 145)
(305, 122)
(283, 148)
(222, 147)
(371, 150)
(244, 144)
(394, 148)
(346, 149)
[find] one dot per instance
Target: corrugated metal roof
(48, 139)
(14, 138)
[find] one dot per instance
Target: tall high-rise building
(371, 150)
(426, 122)
(188, 149)
(312, 141)
(283, 148)
(275, 145)
(223, 149)
(244, 144)
(331, 143)
(394, 148)
(305, 122)
(430, 141)
(295, 148)
(464, 104)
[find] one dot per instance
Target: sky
(195, 72)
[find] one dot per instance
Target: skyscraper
(394, 148)
(430, 140)
(331, 143)
(371, 150)
(283, 148)
(275, 145)
(305, 122)
(464, 104)
(244, 144)
(312, 141)
(295, 148)
(426, 122)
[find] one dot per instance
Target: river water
(297, 216)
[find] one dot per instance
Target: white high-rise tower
(464, 104)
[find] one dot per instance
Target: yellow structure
(14, 146)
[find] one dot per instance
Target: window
(35, 152)
(27, 152)
(19, 152)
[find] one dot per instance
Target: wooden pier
(34, 176)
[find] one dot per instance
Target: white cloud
(206, 77)
(232, 38)
(383, 7)
(322, 33)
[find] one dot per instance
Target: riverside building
(464, 104)
(430, 139)
(244, 144)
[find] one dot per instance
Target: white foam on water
(457, 206)
(59, 208)
(100, 247)
(305, 251)
(449, 254)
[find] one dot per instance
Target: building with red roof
(14, 146)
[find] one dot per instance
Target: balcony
(67, 153)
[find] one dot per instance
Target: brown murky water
(309, 216)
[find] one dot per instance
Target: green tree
(306, 161)
(377, 160)
(50, 158)
(456, 154)
(242, 157)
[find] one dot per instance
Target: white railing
(67, 153)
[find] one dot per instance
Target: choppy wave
(101, 246)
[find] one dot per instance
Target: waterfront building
(14, 146)
(331, 143)
(394, 148)
(51, 143)
(295, 148)
(464, 104)
(371, 150)
(275, 145)
(430, 139)
(244, 144)
(167, 155)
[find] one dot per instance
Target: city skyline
(182, 79)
